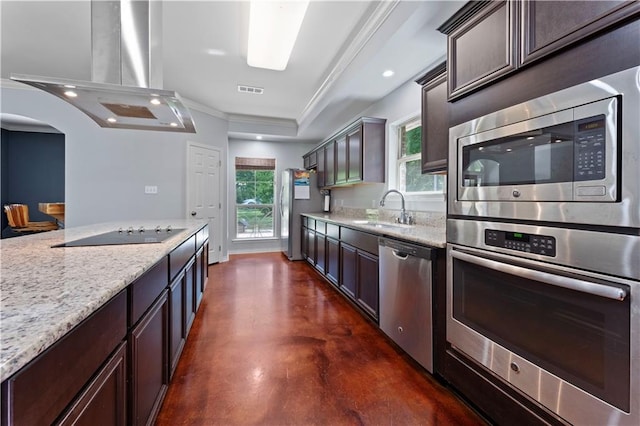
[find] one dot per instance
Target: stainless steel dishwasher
(406, 298)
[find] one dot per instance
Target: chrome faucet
(404, 218)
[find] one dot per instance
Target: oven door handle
(614, 293)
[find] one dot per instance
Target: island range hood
(126, 63)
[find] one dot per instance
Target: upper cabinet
(481, 49)
(435, 120)
(551, 25)
(490, 39)
(353, 155)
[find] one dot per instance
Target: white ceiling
(335, 70)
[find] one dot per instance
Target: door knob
(193, 213)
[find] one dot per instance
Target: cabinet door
(551, 25)
(200, 266)
(329, 164)
(354, 155)
(311, 247)
(149, 363)
(189, 296)
(348, 270)
(482, 49)
(333, 260)
(435, 125)
(103, 402)
(176, 321)
(321, 255)
(341, 160)
(304, 242)
(321, 168)
(306, 161)
(368, 283)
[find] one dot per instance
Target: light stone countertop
(431, 232)
(45, 291)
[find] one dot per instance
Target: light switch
(150, 189)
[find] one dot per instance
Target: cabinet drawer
(359, 239)
(311, 223)
(180, 256)
(333, 231)
(42, 390)
(321, 227)
(146, 289)
(202, 236)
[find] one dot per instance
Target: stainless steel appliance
(296, 197)
(543, 253)
(406, 298)
(570, 157)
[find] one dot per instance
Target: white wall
(107, 169)
(287, 155)
(397, 107)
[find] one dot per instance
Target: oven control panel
(519, 241)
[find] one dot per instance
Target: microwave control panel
(590, 148)
(519, 241)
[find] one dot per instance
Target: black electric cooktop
(125, 236)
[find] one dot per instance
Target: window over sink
(409, 175)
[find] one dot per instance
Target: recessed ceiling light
(259, 137)
(173, 124)
(273, 29)
(155, 101)
(111, 120)
(388, 73)
(69, 86)
(70, 94)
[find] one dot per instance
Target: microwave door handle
(544, 277)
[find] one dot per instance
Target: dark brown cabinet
(551, 25)
(45, 388)
(348, 259)
(333, 260)
(481, 49)
(329, 164)
(435, 120)
(311, 246)
(489, 39)
(341, 160)
(353, 155)
(310, 160)
(177, 332)
(190, 295)
(360, 278)
(368, 282)
(103, 402)
(148, 378)
(348, 276)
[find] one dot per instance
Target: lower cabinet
(333, 260)
(345, 257)
(148, 378)
(189, 295)
(103, 402)
(177, 333)
(359, 278)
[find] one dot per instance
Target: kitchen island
(49, 294)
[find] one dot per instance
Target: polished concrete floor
(275, 345)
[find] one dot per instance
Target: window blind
(246, 163)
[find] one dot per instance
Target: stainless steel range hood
(126, 62)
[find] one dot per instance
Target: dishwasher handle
(403, 250)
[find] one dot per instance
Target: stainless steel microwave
(570, 156)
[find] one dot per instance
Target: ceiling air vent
(250, 89)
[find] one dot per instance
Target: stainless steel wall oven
(543, 253)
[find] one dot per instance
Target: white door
(203, 193)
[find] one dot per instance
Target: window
(409, 165)
(255, 189)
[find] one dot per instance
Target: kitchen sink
(382, 225)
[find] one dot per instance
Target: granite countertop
(430, 230)
(45, 291)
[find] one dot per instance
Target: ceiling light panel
(273, 29)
